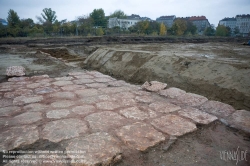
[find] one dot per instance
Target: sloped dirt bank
(218, 71)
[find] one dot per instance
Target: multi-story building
(201, 22)
(124, 23)
(229, 22)
(243, 23)
(167, 20)
(3, 22)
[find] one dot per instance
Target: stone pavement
(97, 116)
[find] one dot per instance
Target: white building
(243, 23)
(125, 23)
(229, 22)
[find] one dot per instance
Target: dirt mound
(201, 69)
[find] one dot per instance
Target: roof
(228, 19)
(244, 16)
(134, 16)
(197, 18)
(166, 17)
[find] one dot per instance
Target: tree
(49, 15)
(118, 14)
(209, 31)
(99, 32)
(222, 30)
(179, 27)
(98, 17)
(191, 28)
(85, 25)
(163, 29)
(236, 30)
(13, 19)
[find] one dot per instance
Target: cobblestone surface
(99, 115)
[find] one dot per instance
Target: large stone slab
(140, 136)
(21, 100)
(18, 92)
(111, 90)
(173, 125)
(6, 102)
(36, 107)
(59, 130)
(217, 108)
(154, 86)
(87, 92)
(26, 118)
(164, 107)
(103, 80)
(96, 149)
(57, 114)
(73, 87)
(44, 90)
(62, 83)
(191, 99)
(144, 99)
(107, 105)
(18, 136)
(104, 121)
(124, 95)
(37, 85)
(197, 115)
(97, 85)
(15, 71)
(63, 95)
(62, 104)
(240, 119)
(83, 81)
(134, 113)
(172, 92)
(64, 78)
(84, 109)
(8, 111)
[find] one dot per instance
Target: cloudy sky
(214, 10)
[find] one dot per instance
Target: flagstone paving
(95, 116)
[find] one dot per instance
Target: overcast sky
(214, 10)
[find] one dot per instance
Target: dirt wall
(217, 80)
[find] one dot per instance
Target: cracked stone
(197, 116)
(106, 98)
(18, 92)
(73, 87)
(26, 118)
(62, 83)
(103, 80)
(114, 89)
(38, 85)
(105, 120)
(217, 108)
(36, 107)
(134, 113)
(44, 90)
(87, 92)
(27, 100)
(154, 86)
(240, 119)
(140, 136)
(84, 76)
(173, 125)
(107, 105)
(59, 130)
(91, 100)
(124, 95)
(127, 102)
(57, 114)
(63, 95)
(191, 99)
(83, 81)
(8, 111)
(6, 102)
(64, 78)
(172, 92)
(62, 104)
(97, 149)
(96, 85)
(26, 135)
(144, 99)
(84, 109)
(164, 107)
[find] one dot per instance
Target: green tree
(209, 31)
(85, 26)
(118, 14)
(98, 17)
(163, 29)
(49, 15)
(222, 30)
(179, 27)
(13, 19)
(99, 32)
(191, 28)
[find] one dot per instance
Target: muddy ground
(216, 70)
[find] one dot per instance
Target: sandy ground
(204, 68)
